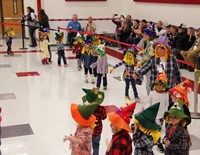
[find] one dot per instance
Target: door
(12, 11)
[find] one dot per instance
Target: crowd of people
(168, 102)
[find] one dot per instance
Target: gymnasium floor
(36, 98)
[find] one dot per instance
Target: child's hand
(166, 142)
(135, 76)
(66, 138)
(111, 70)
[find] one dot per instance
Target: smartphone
(116, 14)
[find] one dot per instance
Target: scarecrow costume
(96, 96)
(44, 43)
(128, 62)
(102, 66)
(145, 130)
(78, 45)
(60, 48)
(121, 143)
(81, 142)
(9, 34)
(177, 136)
(86, 58)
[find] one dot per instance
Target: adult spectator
(135, 35)
(73, 25)
(180, 43)
(173, 36)
(126, 29)
(44, 27)
(191, 38)
(161, 30)
(144, 24)
(193, 52)
(31, 20)
(90, 28)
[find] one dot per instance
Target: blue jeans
(95, 144)
(127, 81)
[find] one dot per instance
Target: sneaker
(137, 99)
(127, 97)
(160, 148)
(65, 65)
(59, 65)
(105, 88)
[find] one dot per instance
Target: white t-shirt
(163, 98)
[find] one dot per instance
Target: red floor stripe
(120, 56)
(22, 74)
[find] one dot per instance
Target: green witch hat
(147, 117)
(93, 96)
(101, 49)
(177, 111)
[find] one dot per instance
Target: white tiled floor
(44, 102)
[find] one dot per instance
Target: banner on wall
(171, 1)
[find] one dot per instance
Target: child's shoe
(92, 80)
(59, 65)
(65, 65)
(86, 79)
(137, 99)
(11, 53)
(127, 100)
(104, 87)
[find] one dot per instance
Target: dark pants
(95, 144)
(70, 37)
(99, 80)
(50, 55)
(33, 40)
(134, 40)
(88, 69)
(94, 59)
(127, 82)
(9, 45)
(61, 54)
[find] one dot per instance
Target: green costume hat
(93, 95)
(78, 35)
(83, 114)
(147, 117)
(101, 49)
(177, 111)
(59, 35)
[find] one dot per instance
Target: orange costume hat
(181, 91)
(121, 118)
(161, 78)
(83, 114)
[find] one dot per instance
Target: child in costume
(81, 141)
(86, 58)
(160, 94)
(176, 140)
(121, 143)
(102, 66)
(44, 43)
(9, 34)
(180, 93)
(128, 62)
(145, 130)
(95, 96)
(78, 45)
(60, 48)
(95, 42)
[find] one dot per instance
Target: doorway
(11, 11)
